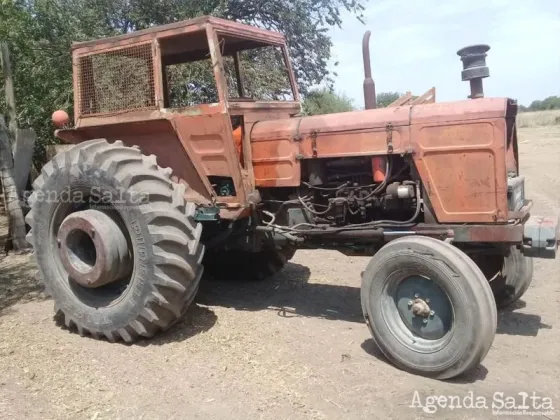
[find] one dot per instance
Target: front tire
(150, 211)
(428, 306)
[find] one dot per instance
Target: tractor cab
(201, 66)
(198, 86)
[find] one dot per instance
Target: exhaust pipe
(369, 84)
(474, 68)
(378, 163)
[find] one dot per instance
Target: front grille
(115, 81)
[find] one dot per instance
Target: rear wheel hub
(93, 249)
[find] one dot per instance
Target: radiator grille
(115, 81)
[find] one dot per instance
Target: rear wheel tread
(168, 214)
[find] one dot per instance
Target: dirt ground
(295, 347)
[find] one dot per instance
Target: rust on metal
(177, 28)
(93, 249)
(459, 152)
(195, 140)
(420, 308)
(491, 233)
(458, 148)
(389, 130)
(168, 148)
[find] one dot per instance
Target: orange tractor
(190, 152)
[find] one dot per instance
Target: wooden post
(11, 199)
(9, 89)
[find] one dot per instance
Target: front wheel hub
(93, 249)
(424, 307)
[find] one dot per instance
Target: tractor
(189, 150)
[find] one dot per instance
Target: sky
(414, 43)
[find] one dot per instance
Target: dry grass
(539, 118)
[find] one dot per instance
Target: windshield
(259, 73)
(253, 70)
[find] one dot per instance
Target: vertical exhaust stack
(369, 84)
(474, 68)
(378, 163)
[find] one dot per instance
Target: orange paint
(379, 168)
(238, 141)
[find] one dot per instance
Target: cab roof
(222, 26)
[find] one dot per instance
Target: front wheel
(428, 306)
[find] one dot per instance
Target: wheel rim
(424, 307)
(76, 251)
(418, 311)
(81, 251)
(93, 249)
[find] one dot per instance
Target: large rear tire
(428, 306)
(116, 184)
(247, 266)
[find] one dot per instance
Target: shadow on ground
(288, 293)
(512, 322)
(198, 319)
(17, 281)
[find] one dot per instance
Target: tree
(16, 221)
(385, 99)
(325, 101)
(40, 33)
(551, 102)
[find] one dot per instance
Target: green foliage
(265, 76)
(552, 102)
(191, 84)
(387, 98)
(325, 101)
(40, 33)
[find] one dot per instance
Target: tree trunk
(11, 200)
(9, 90)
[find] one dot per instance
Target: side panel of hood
(278, 146)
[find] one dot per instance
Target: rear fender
(156, 137)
